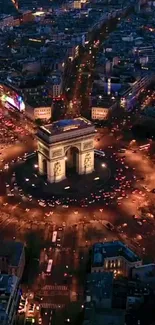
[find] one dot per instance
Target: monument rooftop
(67, 125)
(65, 129)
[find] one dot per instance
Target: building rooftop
(109, 316)
(112, 249)
(99, 286)
(104, 102)
(7, 286)
(66, 126)
(149, 112)
(38, 101)
(12, 250)
(100, 316)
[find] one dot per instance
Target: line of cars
(31, 315)
(22, 305)
(29, 310)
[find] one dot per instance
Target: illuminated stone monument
(63, 145)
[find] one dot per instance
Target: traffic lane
(70, 236)
(46, 315)
(104, 140)
(108, 213)
(88, 59)
(69, 217)
(109, 210)
(18, 119)
(113, 215)
(95, 231)
(143, 166)
(64, 258)
(13, 151)
(61, 271)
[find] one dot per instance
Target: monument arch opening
(72, 160)
(44, 166)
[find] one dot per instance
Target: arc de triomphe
(56, 140)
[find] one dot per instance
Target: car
(29, 321)
(139, 222)
(42, 204)
(109, 226)
(122, 150)
(135, 216)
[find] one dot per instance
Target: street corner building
(114, 256)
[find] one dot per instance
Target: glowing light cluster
(15, 3)
(17, 102)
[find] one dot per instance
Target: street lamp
(104, 165)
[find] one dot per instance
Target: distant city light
(96, 178)
(17, 102)
(38, 13)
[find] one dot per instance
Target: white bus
(49, 266)
(29, 155)
(54, 236)
(144, 147)
(99, 153)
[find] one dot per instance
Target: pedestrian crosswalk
(55, 287)
(51, 306)
(54, 293)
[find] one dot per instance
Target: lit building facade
(41, 113)
(99, 113)
(115, 257)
